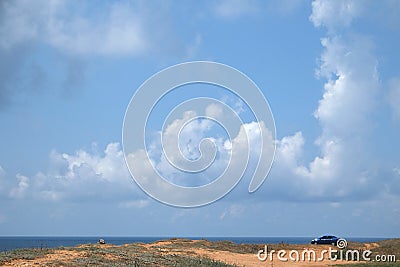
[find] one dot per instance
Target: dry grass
(384, 247)
(103, 255)
(178, 252)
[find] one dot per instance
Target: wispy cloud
(78, 32)
(117, 31)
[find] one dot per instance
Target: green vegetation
(172, 252)
(389, 247)
(385, 248)
(24, 254)
(109, 255)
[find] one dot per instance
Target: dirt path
(230, 253)
(251, 259)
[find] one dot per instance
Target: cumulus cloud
(237, 155)
(190, 137)
(348, 64)
(348, 102)
(290, 149)
(350, 94)
(85, 175)
(82, 176)
(333, 14)
(342, 170)
(14, 187)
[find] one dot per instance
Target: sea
(8, 243)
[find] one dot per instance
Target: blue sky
(329, 69)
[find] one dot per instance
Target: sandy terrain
(164, 253)
(251, 259)
(58, 255)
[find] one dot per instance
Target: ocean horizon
(15, 242)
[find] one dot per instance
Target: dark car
(326, 239)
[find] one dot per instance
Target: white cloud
(348, 64)
(290, 149)
(83, 176)
(77, 31)
(350, 95)
(344, 111)
(110, 167)
(247, 141)
(343, 169)
(21, 189)
(235, 103)
(233, 154)
(214, 111)
(350, 68)
(334, 14)
(120, 28)
(189, 136)
(118, 31)
(19, 21)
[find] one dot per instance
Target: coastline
(14, 242)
